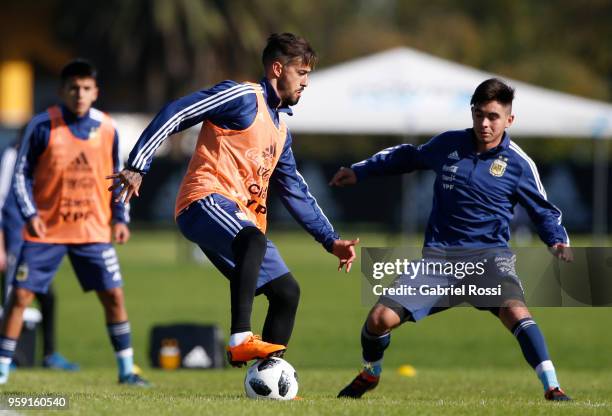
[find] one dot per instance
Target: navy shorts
(212, 223)
(490, 285)
(96, 265)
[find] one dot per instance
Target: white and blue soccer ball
(271, 378)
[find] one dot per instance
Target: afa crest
(22, 273)
(498, 167)
(93, 133)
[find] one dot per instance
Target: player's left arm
(296, 197)
(546, 216)
(120, 212)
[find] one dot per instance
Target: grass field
(466, 362)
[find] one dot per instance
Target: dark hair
(78, 68)
(288, 47)
(493, 89)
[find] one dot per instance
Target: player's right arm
(395, 160)
(7, 166)
(227, 104)
(33, 144)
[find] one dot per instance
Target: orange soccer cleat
(251, 349)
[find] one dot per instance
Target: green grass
(456, 391)
(466, 362)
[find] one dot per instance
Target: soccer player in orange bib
(244, 147)
(59, 184)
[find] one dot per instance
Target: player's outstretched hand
(36, 227)
(345, 251)
(121, 233)
(344, 177)
(562, 252)
(128, 182)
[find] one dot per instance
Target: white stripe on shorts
(215, 216)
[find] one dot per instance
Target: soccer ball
(271, 378)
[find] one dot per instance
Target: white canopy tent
(406, 92)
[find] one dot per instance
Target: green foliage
(170, 47)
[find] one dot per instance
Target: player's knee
(290, 290)
(249, 238)
(22, 298)
(511, 313)
(382, 320)
(285, 290)
(112, 298)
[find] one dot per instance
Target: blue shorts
(212, 223)
(493, 281)
(96, 265)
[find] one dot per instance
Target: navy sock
(7, 350)
(373, 349)
(534, 349)
(120, 335)
(7, 347)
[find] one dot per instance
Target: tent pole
(600, 189)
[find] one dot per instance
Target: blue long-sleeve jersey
(474, 194)
(231, 105)
(34, 142)
(10, 217)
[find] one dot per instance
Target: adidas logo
(197, 358)
(80, 163)
(269, 152)
(80, 160)
(454, 155)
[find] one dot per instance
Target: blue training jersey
(231, 105)
(34, 142)
(474, 194)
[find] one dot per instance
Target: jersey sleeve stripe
(532, 165)
(7, 166)
(179, 116)
(194, 110)
(25, 203)
(305, 185)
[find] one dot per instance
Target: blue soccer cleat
(134, 380)
(57, 361)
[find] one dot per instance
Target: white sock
(238, 338)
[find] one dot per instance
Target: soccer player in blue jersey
(480, 175)
(243, 148)
(11, 241)
(59, 185)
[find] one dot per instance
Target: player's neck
(482, 147)
(274, 84)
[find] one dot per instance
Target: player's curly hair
(493, 89)
(288, 47)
